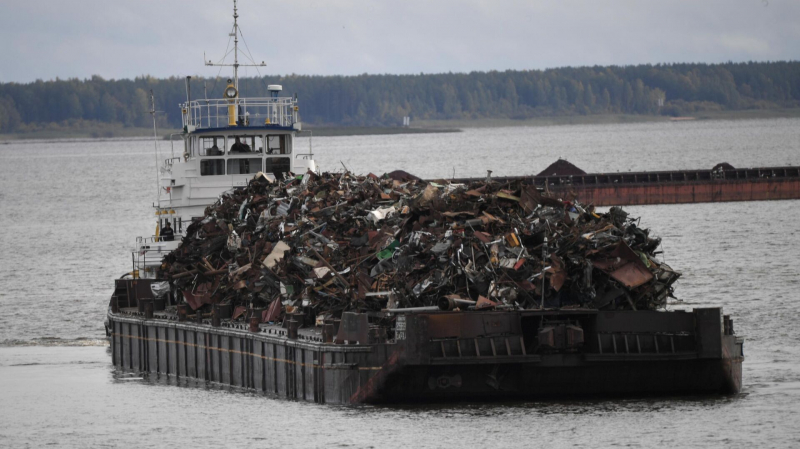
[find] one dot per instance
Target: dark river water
(70, 212)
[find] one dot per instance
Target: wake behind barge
(433, 356)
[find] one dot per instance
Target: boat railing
(216, 113)
(169, 162)
(310, 154)
(144, 243)
(148, 254)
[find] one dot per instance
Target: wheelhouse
(243, 136)
(240, 151)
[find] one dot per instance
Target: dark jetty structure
(346, 289)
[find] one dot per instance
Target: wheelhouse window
(244, 144)
(212, 146)
(277, 144)
(277, 165)
(243, 166)
(212, 167)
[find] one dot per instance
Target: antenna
(208, 106)
(235, 35)
(155, 143)
(235, 46)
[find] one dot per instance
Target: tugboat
(226, 141)
(452, 351)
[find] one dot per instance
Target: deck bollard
(183, 310)
(327, 333)
(300, 318)
(148, 309)
(292, 329)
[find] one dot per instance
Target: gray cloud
(116, 39)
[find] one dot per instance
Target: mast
(235, 35)
(235, 47)
(155, 145)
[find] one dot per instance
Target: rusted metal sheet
(465, 325)
(624, 265)
(561, 336)
(354, 328)
(201, 295)
(272, 313)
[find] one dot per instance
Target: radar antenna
(235, 35)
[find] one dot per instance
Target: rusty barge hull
(445, 356)
(689, 192)
(675, 187)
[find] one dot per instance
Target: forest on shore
(383, 100)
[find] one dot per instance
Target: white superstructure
(226, 142)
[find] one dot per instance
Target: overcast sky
(125, 38)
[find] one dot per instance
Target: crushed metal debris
(317, 245)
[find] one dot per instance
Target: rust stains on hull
(689, 192)
(721, 184)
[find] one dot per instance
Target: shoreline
(145, 133)
(422, 126)
(612, 119)
(331, 131)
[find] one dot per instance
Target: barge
(435, 356)
(722, 183)
(456, 350)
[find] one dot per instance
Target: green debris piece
(389, 250)
(644, 258)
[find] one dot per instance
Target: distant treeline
(370, 100)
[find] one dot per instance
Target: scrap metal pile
(321, 244)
